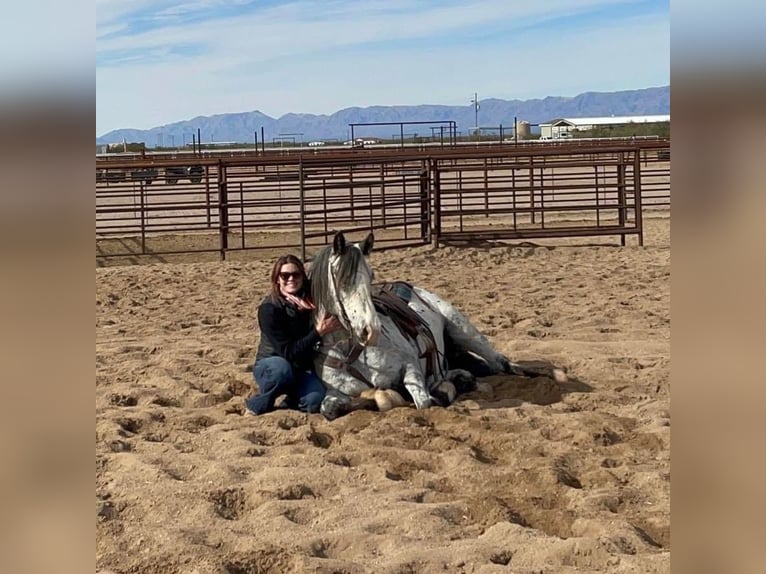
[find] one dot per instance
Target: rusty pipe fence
(221, 206)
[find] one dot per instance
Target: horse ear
(339, 243)
(368, 243)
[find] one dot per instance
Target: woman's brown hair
(284, 260)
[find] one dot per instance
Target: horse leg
(415, 384)
(468, 338)
(336, 404)
(463, 334)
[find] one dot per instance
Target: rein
(347, 363)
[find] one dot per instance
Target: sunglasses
(287, 275)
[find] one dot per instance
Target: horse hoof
(448, 390)
(388, 399)
(363, 403)
(383, 401)
(462, 382)
(397, 400)
(511, 368)
(424, 404)
(332, 412)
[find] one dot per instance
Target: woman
(284, 362)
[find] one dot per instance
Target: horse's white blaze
(364, 319)
(355, 302)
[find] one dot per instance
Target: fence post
(302, 208)
(223, 210)
(424, 205)
(436, 193)
(207, 194)
(351, 191)
(486, 189)
(242, 212)
(531, 187)
(637, 198)
(621, 195)
(143, 218)
(383, 194)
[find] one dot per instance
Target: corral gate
(269, 205)
(528, 195)
(296, 203)
(314, 199)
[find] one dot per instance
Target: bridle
(343, 313)
(356, 348)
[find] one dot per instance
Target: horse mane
(319, 273)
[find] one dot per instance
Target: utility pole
(475, 102)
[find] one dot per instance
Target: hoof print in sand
(121, 400)
(319, 439)
(229, 503)
(295, 492)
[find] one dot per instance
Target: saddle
(391, 299)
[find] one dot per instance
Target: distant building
(561, 128)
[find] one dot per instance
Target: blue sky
(161, 61)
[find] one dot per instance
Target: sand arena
(523, 475)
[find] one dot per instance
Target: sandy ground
(524, 476)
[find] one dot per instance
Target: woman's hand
(302, 304)
(327, 324)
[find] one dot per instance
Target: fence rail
(222, 205)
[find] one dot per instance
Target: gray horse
(392, 344)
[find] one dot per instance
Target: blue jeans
(274, 377)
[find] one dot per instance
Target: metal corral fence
(227, 205)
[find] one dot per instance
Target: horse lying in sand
(391, 344)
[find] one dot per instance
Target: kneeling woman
(289, 339)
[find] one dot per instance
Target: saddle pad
(391, 299)
(400, 288)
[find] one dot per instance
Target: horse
(391, 345)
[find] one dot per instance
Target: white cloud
(281, 60)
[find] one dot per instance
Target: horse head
(341, 281)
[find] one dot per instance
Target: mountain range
(242, 126)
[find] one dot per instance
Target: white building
(561, 128)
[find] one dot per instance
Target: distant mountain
(241, 127)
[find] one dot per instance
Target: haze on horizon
(163, 61)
